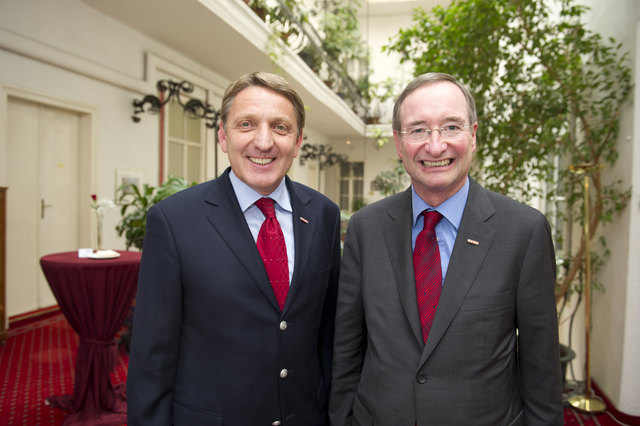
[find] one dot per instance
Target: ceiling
(225, 36)
(398, 7)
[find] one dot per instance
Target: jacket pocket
(486, 303)
(186, 416)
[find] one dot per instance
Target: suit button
(283, 325)
(422, 378)
(276, 423)
(284, 373)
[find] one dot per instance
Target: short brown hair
(429, 78)
(269, 81)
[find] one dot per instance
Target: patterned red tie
(428, 272)
(273, 250)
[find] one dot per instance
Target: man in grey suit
(490, 356)
(217, 340)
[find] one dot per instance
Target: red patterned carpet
(574, 417)
(38, 359)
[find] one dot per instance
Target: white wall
(118, 142)
(377, 27)
(629, 397)
(615, 339)
(65, 50)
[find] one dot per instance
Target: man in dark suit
(212, 344)
(489, 355)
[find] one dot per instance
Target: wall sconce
(323, 153)
(193, 108)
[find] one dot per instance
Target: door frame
(86, 155)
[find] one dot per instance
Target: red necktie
(428, 272)
(273, 250)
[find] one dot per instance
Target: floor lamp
(586, 402)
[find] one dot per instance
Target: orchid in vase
(101, 208)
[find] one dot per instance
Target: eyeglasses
(421, 134)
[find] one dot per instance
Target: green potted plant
(135, 204)
(389, 182)
(378, 137)
(311, 57)
(259, 7)
(339, 25)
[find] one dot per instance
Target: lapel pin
(474, 242)
(303, 219)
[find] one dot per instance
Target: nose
(263, 139)
(435, 145)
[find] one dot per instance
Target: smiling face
(438, 169)
(261, 137)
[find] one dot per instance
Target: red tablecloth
(95, 296)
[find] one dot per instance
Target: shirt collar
(451, 209)
(247, 196)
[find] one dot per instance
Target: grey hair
(430, 78)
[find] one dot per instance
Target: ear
(298, 145)
(473, 136)
(396, 137)
(222, 137)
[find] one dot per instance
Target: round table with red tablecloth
(95, 295)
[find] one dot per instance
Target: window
(185, 144)
(351, 186)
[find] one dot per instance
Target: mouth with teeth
(261, 161)
(441, 163)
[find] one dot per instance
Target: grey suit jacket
(492, 356)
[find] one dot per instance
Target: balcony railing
(294, 26)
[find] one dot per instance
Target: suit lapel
(304, 225)
(228, 220)
(397, 233)
(466, 259)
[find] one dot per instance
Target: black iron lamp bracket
(193, 108)
(323, 153)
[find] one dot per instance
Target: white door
(42, 199)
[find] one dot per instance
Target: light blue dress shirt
(247, 196)
(447, 228)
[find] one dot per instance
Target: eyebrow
(455, 119)
(272, 120)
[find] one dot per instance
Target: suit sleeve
(538, 344)
(156, 327)
(350, 334)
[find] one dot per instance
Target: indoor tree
(549, 94)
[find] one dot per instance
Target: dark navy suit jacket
(210, 345)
